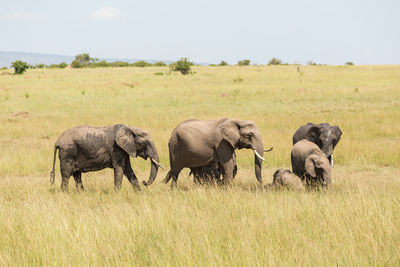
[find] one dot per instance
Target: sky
(322, 31)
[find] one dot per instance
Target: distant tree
(349, 63)
(244, 62)
(82, 60)
(40, 66)
(224, 63)
(19, 66)
(159, 64)
(275, 61)
(141, 63)
(183, 65)
(310, 62)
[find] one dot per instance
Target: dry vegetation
(356, 223)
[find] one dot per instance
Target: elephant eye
(249, 135)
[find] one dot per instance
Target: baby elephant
(209, 175)
(285, 178)
(310, 163)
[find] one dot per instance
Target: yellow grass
(356, 223)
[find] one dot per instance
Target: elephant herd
(206, 147)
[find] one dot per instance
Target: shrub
(349, 63)
(141, 63)
(183, 65)
(224, 63)
(40, 66)
(82, 60)
(275, 61)
(159, 64)
(244, 62)
(19, 66)
(120, 64)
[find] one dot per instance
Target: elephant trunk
(327, 178)
(152, 154)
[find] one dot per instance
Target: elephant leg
(65, 175)
(227, 176)
(174, 174)
(131, 175)
(118, 175)
(226, 158)
(78, 180)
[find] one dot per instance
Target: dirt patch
(21, 114)
(6, 73)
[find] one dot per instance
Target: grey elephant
(199, 143)
(286, 179)
(87, 148)
(209, 174)
(310, 163)
(323, 135)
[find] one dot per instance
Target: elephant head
(318, 166)
(323, 135)
(138, 142)
(245, 134)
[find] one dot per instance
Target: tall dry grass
(356, 223)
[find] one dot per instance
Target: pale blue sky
(331, 32)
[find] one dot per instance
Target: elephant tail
(53, 173)
(168, 177)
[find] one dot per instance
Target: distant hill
(6, 58)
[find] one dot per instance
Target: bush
(82, 60)
(183, 65)
(160, 64)
(224, 63)
(19, 66)
(244, 62)
(349, 63)
(275, 61)
(141, 63)
(40, 66)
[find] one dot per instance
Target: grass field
(356, 223)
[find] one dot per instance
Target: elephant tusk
(332, 160)
(258, 155)
(158, 164)
(268, 150)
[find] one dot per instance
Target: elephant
(86, 148)
(323, 135)
(209, 174)
(198, 143)
(310, 162)
(285, 178)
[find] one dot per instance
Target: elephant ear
(338, 133)
(126, 140)
(230, 132)
(309, 166)
(314, 135)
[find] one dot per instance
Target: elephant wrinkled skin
(198, 143)
(310, 163)
(87, 148)
(326, 137)
(286, 179)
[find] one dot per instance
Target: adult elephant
(87, 148)
(199, 143)
(323, 135)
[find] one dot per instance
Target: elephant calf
(310, 163)
(208, 175)
(86, 148)
(285, 178)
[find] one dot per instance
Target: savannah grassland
(357, 222)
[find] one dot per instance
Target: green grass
(356, 223)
